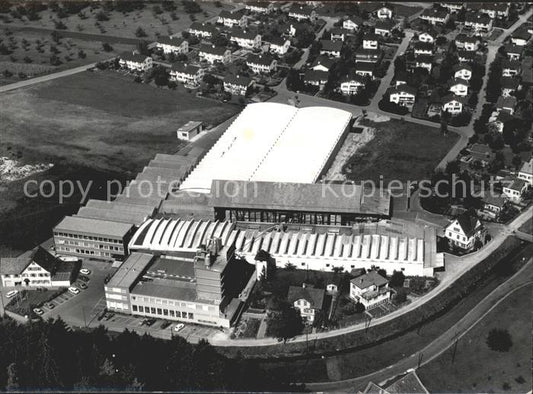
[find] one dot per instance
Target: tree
(397, 279)
(140, 32)
(106, 47)
(101, 16)
(517, 161)
(12, 378)
(285, 323)
(290, 267)
(499, 340)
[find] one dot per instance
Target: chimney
(207, 260)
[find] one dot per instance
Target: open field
(399, 150)
(527, 227)
(477, 368)
(91, 131)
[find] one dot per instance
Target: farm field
(399, 150)
(92, 132)
(477, 368)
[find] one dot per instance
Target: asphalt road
(522, 278)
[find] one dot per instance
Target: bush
(107, 47)
(101, 16)
(387, 106)
(499, 340)
(140, 32)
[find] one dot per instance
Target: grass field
(527, 227)
(400, 150)
(92, 126)
(476, 367)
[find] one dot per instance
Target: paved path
(460, 266)
(521, 279)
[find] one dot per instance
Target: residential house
(403, 95)
(259, 7)
(462, 71)
(481, 153)
(423, 48)
(509, 85)
(526, 172)
(501, 117)
(353, 23)
(262, 64)
(506, 103)
(511, 68)
(186, 73)
(466, 56)
(453, 7)
(213, 54)
(135, 62)
(480, 23)
(384, 28)
(464, 231)
(520, 37)
(498, 10)
(424, 61)
(231, 19)
(492, 207)
(322, 63)
(279, 45)
(294, 28)
(339, 34)
(367, 55)
(203, 30)
(371, 41)
(462, 41)
(331, 48)
(427, 37)
(459, 87)
(307, 300)
(365, 70)
(370, 289)
(237, 85)
(514, 52)
(385, 12)
(316, 77)
(513, 189)
(302, 12)
(172, 44)
(245, 38)
(434, 16)
(401, 78)
(351, 84)
(453, 104)
(36, 268)
(190, 130)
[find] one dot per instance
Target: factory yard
(400, 150)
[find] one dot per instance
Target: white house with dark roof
(302, 12)
(316, 77)
(509, 85)
(427, 37)
(495, 10)
(187, 74)
(367, 55)
(507, 104)
(172, 44)
(464, 230)
(339, 34)
(213, 54)
(385, 12)
(322, 63)
(203, 30)
(259, 7)
(237, 85)
(384, 28)
(371, 41)
(279, 45)
(513, 189)
(453, 104)
(520, 37)
(231, 19)
(245, 38)
(370, 289)
(526, 172)
(331, 48)
(459, 87)
(434, 16)
(462, 41)
(365, 70)
(492, 206)
(480, 23)
(135, 62)
(261, 64)
(423, 48)
(453, 7)
(424, 61)
(465, 56)
(307, 300)
(513, 52)
(351, 84)
(35, 268)
(462, 71)
(353, 23)
(511, 68)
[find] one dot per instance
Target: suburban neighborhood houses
(304, 196)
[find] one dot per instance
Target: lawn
(400, 150)
(92, 131)
(527, 227)
(477, 368)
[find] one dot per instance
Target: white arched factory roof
(272, 142)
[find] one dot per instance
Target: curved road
(523, 278)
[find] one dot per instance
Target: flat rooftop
(78, 224)
(130, 270)
(172, 290)
(272, 142)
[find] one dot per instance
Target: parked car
(83, 278)
(85, 271)
(150, 322)
(49, 305)
(12, 293)
(82, 285)
(74, 290)
(179, 327)
(165, 324)
(109, 316)
(38, 311)
(68, 259)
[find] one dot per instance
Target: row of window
(162, 312)
(161, 301)
(92, 245)
(41, 275)
(83, 251)
(88, 237)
